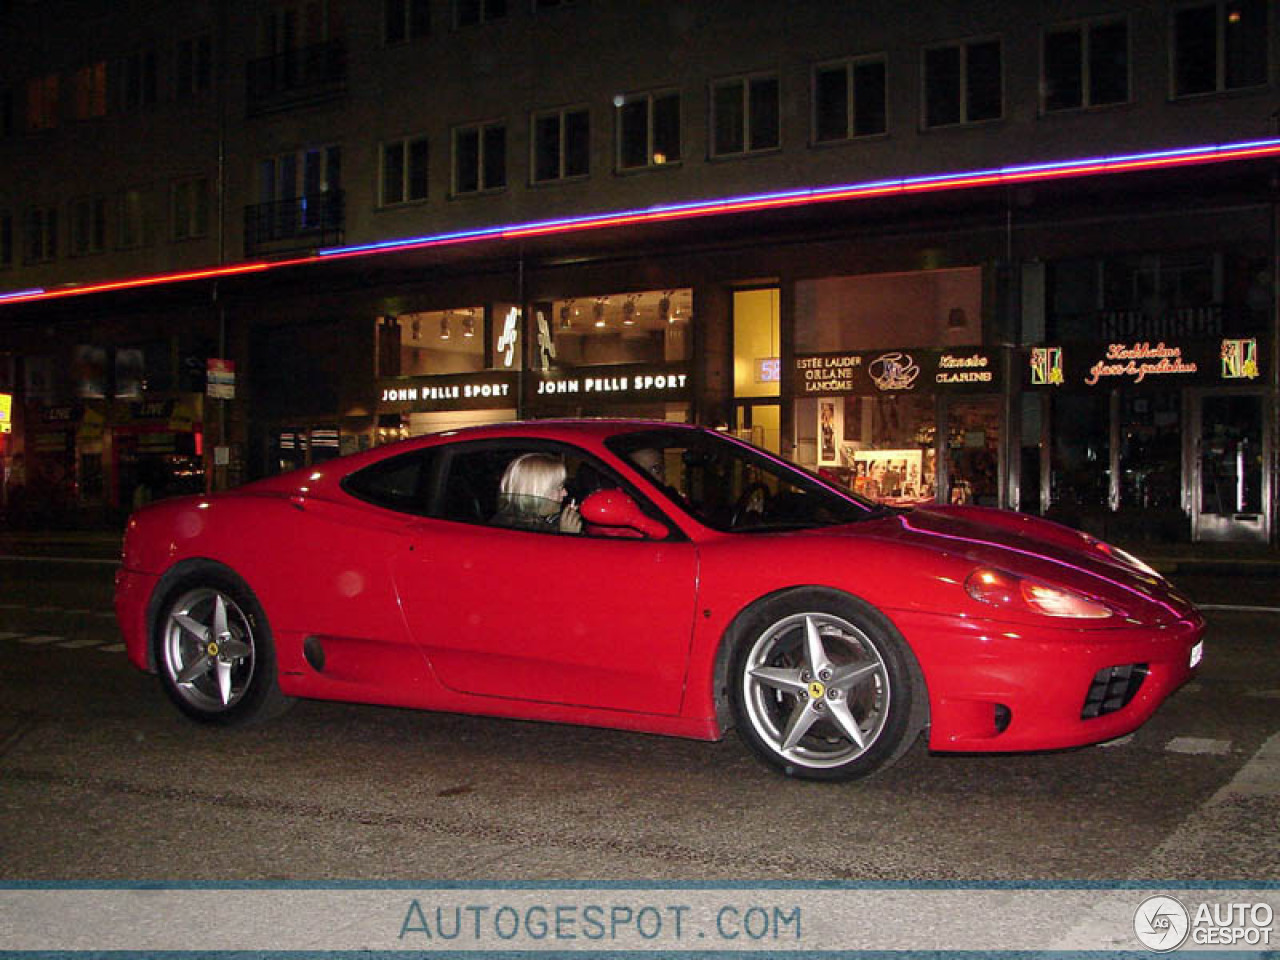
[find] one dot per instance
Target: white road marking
(113, 648)
(80, 644)
(1120, 742)
(40, 640)
(1199, 745)
(11, 636)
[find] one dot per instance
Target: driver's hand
(570, 519)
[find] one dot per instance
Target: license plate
(1197, 654)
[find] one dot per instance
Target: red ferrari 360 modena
(666, 578)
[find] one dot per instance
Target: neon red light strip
(958, 181)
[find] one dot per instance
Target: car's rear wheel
(214, 651)
(824, 687)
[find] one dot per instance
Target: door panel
(564, 619)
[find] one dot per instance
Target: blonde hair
(533, 475)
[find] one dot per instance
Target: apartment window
(406, 20)
(42, 102)
(479, 158)
(1086, 65)
(561, 144)
(6, 238)
(191, 208)
(404, 171)
(134, 219)
(963, 83)
(136, 82)
(1219, 46)
(88, 225)
(41, 230)
(89, 91)
(744, 116)
(193, 68)
(467, 13)
(849, 100)
(649, 131)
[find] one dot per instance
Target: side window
(399, 484)
(471, 488)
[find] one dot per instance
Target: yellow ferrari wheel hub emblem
(816, 690)
(213, 648)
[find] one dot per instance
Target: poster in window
(830, 432)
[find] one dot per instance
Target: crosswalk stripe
(1199, 745)
(82, 642)
(113, 648)
(11, 636)
(40, 640)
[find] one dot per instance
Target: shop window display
(881, 361)
(648, 327)
(432, 342)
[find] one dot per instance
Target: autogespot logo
(1161, 923)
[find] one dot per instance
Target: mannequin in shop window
(532, 496)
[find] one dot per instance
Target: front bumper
(1003, 687)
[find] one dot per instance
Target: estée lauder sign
(896, 371)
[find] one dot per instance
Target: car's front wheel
(824, 688)
(214, 651)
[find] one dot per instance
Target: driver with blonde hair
(532, 493)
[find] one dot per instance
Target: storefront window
(880, 362)
(926, 308)
(973, 452)
(881, 447)
(1080, 458)
(431, 343)
(650, 327)
(1151, 452)
(757, 371)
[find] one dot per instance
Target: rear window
(401, 483)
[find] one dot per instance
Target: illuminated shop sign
(1143, 364)
(620, 383)
(452, 392)
(869, 373)
(6, 412)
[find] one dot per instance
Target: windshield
(732, 486)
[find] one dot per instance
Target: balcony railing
(295, 77)
(1177, 322)
(302, 223)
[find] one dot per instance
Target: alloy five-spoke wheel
(209, 649)
(214, 652)
(825, 689)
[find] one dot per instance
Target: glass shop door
(1230, 485)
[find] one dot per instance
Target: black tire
(214, 652)
(796, 704)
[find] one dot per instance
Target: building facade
(1018, 254)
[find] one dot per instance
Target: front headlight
(1002, 589)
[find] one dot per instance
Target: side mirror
(614, 509)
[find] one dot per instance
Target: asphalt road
(101, 779)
